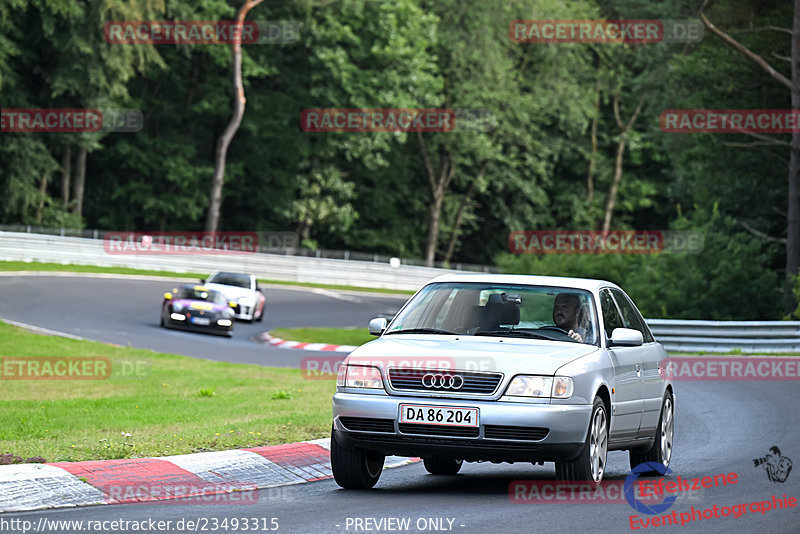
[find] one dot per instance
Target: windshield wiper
(512, 333)
(421, 331)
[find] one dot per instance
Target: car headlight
(359, 376)
(177, 307)
(177, 316)
(559, 387)
(224, 322)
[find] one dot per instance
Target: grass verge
(57, 267)
(334, 336)
(153, 404)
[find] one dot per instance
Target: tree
(793, 84)
(217, 181)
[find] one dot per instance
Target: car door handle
(638, 370)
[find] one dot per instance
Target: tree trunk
(224, 141)
(42, 197)
(462, 207)
(80, 182)
(624, 128)
(434, 212)
(593, 156)
(438, 189)
(612, 193)
(66, 174)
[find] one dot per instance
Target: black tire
(661, 451)
(261, 316)
(355, 468)
(581, 468)
(162, 322)
(442, 466)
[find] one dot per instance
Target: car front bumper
(212, 327)
(508, 431)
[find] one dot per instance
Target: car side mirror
(167, 296)
(377, 326)
(202, 280)
(626, 337)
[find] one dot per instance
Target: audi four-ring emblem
(439, 381)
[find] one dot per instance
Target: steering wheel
(556, 328)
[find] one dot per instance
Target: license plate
(438, 415)
(201, 320)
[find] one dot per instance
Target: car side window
(629, 315)
(611, 318)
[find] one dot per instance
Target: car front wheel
(355, 468)
(591, 462)
(661, 451)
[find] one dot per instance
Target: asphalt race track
(126, 312)
(720, 428)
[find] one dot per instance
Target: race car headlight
(177, 316)
(359, 376)
(177, 307)
(224, 322)
(559, 387)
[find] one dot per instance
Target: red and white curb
(285, 344)
(229, 475)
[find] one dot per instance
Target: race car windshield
(533, 312)
(230, 279)
(201, 294)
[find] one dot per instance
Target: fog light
(224, 322)
(177, 316)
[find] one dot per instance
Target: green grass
(334, 336)
(173, 405)
(57, 267)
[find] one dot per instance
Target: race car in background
(242, 289)
(192, 307)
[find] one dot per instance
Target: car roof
(587, 284)
(230, 272)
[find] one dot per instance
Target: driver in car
(566, 310)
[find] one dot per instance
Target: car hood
(231, 292)
(203, 305)
(507, 355)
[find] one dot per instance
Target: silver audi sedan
(504, 368)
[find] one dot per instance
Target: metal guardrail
(266, 245)
(65, 250)
(749, 337)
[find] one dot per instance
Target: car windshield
(230, 279)
(479, 309)
(195, 293)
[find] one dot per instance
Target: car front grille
(474, 382)
(367, 424)
(522, 433)
(438, 430)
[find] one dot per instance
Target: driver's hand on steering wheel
(576, 336)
